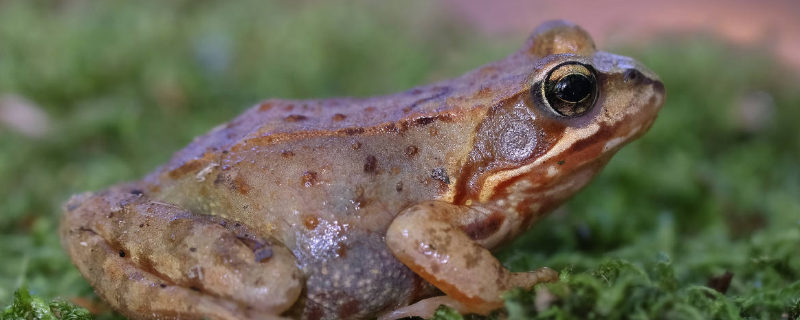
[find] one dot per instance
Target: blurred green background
(107, 91)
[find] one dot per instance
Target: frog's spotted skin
(351, 208)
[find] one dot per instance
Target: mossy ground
(128, 83)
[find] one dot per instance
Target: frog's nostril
(631, 75)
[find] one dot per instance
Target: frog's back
(344, 158)
(279, 121)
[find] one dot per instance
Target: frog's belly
(355, 278)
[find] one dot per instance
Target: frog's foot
(155, 260)
(430, 239)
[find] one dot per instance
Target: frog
(357, 208)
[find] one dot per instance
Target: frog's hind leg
(432, 239)
(155, 260)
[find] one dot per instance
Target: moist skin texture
(356, 208)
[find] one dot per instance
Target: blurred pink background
(773, 25)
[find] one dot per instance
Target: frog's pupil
(573, 88)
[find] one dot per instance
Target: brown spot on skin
(342, 250)
(399, 186)
(339, 117)
(391, 127)
(435, 268)
(371, 164)
(308, 179)
(264, 107)
(369, 109)
(407, 109)
(433, 132)
(240, 185)
(424, 121)
(311, 222)
(288, 108)
(348, 309)
(287, 153)
(402, 127)
(356, 145)
(353, 130)
(315, 313)
(411, 151)
(193, 249)
(480, 230)
(296, 118)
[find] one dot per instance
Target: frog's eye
(570, 89)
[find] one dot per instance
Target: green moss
(445, 313)
(127, 84)
(28, 307)
(617, 289)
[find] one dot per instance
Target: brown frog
(352, 208)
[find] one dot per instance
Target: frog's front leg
(156, 260)
(432, 239)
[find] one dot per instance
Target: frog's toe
(529, 279)
(155, 260)
(424, 308)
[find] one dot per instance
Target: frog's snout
(658, 93)
(651, 78)
(649, 82)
